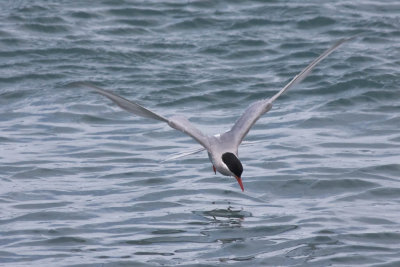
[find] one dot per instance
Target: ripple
(82, 182)
(49, 215)
(41, 205)
(342, 185)
(136, 12)
(193, 24)
(47, 29)
(319, 21)
(248, 23)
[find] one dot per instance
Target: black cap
(233, 163)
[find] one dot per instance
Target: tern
(222, 148)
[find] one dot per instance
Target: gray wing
(304, 73)
(182, 124)
(243, 125)
(258, 108)
(125, 103)
(177, 122)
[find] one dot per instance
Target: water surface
(83, 182)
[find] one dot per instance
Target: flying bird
(222, 148)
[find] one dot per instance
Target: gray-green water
(82, 183)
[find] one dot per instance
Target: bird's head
(234, 165)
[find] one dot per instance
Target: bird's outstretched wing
(124, 103)
(179, 123)
(242, 126)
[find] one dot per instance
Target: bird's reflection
(225, 217)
